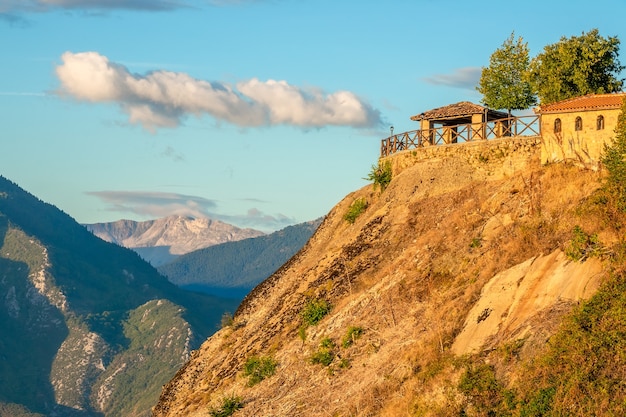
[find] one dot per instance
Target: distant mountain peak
(161, 240)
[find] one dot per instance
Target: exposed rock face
(161, 240)
(456, 256)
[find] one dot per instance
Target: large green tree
(504, 83)
(575, 66)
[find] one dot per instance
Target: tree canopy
(576, 66)
(614, 159)
(504, 83)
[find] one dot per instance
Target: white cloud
(155, 204)
(466, 77)
(152, 205)
(256, 219)
(163, 98)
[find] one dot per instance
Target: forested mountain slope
(88, 328)
(233, 269)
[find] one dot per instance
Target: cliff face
(462, 254)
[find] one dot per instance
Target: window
(557, 126)
(578, 124)
(600, 123)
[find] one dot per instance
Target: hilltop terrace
(459, 123)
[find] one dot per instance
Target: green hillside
(76, 315)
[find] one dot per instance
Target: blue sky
(259, 113)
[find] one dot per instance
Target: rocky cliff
(454, 275)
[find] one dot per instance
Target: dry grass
(406, 272)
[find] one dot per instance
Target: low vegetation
(357, 208)
(314, 311)
(228, 406)
(352, 334)
(258, 368)
(325, 353)
(583, 245)
(381, 175)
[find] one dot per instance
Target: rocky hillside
(162, 240)
(88, 328)
(445, 296)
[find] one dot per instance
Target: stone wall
(498, 157)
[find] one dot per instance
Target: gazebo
(460, 115)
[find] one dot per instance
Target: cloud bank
(466, 77)
(155, 204)
(163, 98)
(152, 205)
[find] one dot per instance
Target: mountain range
(233, 269)
(89, 328)
(162, 240)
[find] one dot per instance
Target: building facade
(578, 128)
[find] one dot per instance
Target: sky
(259, 113)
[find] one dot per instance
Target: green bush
(229, 405)
(381, 175)
(583, 245)
(484, 392)
(352, 334)
(258, 368)
(314, 311)
(357, 207)
(325, 354)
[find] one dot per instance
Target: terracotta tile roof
(451, 111)
(588, 102)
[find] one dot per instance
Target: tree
(576, 66)
(504, 83)
(614, 160)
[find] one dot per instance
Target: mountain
(89, 328)
(477, 283)
(163, 240)
(232, 269)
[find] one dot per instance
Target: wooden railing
(495, 129)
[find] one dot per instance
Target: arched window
(600, 122)
(578, 124)
(557, 126)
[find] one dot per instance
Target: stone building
(576, 129)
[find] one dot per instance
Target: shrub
(229, 405)
(258, 368)
(357, 207)
(314, 311)
(381, 175)
(583, 245)
(352, 334)
(325, 354)
(484, 392)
